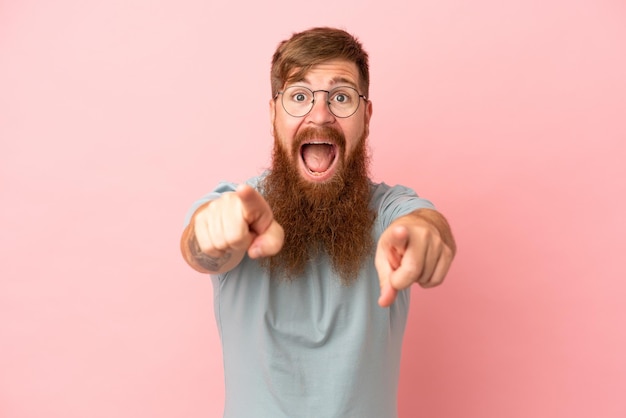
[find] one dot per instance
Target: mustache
(324, 132)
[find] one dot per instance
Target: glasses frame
(312, 104)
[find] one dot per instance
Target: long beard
(331, 217)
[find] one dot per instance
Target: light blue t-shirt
(312, 347)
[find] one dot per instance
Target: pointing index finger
(256, 211)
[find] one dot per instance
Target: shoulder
(229, 186)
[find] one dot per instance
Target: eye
(342, 97)
(298, 95)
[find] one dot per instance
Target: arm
(415, 248)
(223, 230)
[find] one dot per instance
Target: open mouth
(318, 157)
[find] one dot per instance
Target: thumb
(268, 243)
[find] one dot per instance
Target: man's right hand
(221, 231)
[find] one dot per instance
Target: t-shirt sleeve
(392, 202)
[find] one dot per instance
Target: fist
(237, 222)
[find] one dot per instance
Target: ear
(272, 115)
(368, 115)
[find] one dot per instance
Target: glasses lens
(297, 100)
(343, 101)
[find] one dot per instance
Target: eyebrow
(334, 81)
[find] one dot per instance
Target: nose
(320, 113)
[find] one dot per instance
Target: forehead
(328, 74)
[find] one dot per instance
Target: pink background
(116, 115)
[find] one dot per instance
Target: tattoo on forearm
(212, 263)
(206, 261)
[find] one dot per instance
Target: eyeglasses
(343, 101)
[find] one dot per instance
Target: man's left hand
(416, 248)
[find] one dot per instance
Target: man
(312, 262)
